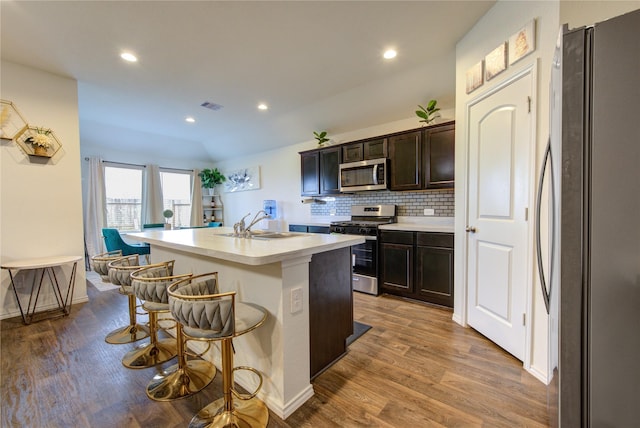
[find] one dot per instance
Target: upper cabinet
(418, 159)
(320, 171)
(439, 156)
(423, 159)
(363, 150)
(405, 167)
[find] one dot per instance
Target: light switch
(429, 211)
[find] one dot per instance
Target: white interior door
(499, 158)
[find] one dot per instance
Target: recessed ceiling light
(128, 56)
(189, 119)
(263, 106)
(389, 54)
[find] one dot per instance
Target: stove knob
(363, 231)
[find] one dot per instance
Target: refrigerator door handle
(546, 290)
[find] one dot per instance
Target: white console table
(47, 265)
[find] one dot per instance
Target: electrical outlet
(429, 211)
(296, 300)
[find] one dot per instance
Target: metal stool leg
(153, 353)
(183, 379)
(130, 333)
(225, 412)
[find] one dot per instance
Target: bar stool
(207, 315)
(100, 262)
(104, 264)
(188, 376)
(149, 284)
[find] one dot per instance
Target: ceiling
(317, 64)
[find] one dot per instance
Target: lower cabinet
(417, 265)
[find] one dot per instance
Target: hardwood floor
(414, 368)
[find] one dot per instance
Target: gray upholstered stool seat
(205, 314)
(100, 262)
(117, 269)
(149, 284)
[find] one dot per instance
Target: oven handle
(370, 238)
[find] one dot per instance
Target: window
(123, 187)
(176, 196)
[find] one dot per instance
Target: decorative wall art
(11, 121)
(495, 62)
(242, 179)
(523, 42)
(475, 77)
(41, 142)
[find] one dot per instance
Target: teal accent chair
(114, 241)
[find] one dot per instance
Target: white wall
(504, 19)
(40, 203)
(280, 174)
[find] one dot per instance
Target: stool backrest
(100, 262)
(120, 269)
(197, 303)
(150, 283)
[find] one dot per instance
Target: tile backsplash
(408, 203)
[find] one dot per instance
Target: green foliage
(211, 178)
(321, 137)
(167, 213)
(428, 115)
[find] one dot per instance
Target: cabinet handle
(470, 229)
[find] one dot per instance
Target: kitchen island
(274, 273)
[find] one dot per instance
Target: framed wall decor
(475, 77)
(11, 121)
(495, 62)
(523, 42)
(242, 179)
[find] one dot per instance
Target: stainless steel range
(365, 220)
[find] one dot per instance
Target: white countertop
(422, 224)
(208, 242)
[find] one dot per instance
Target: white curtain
(95, 208)
(196, 200)
(152, 205)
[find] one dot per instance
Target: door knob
(470, 229)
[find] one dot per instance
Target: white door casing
(500, 141)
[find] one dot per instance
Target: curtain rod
(141, 166)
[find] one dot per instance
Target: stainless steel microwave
(364, 175)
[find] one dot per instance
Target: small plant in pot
(211, 178)
(429, 114)
(321, 137)
(167, 214)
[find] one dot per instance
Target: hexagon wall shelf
(12, 123)
(30, 149)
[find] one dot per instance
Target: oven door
(365, 266)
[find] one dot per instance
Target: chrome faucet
(242, 231)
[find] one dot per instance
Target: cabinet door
(439, 157)
(434, 275)
(374, 149)
(330, 171)
(405, 161)
(352, 153)
(310, 165)
(397, 268)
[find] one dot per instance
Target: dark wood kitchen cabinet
(405, 166)
(423, 158)
(396, 262)
(364, 150)
(434, 268)
(439, 156)
(320, 171)
(417, 265)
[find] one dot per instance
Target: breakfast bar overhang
(271, 272)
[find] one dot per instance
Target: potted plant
(167, 214)
(321, 137)
(211, 178)
(40, 142)
(429, 114)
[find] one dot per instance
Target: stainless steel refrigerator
(591, 264)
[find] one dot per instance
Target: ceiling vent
(211, 106)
